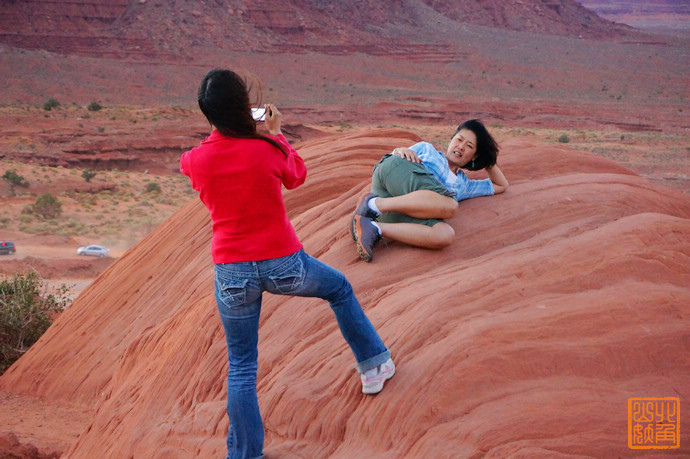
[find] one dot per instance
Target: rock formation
(559, 300)
(165, 30)
(673, 14)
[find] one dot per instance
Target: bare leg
(431, 237)
(420, 204)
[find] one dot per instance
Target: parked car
(94, 251)
(7, 247)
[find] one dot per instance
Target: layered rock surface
(163, 29)
(673, 14)
(558, 301)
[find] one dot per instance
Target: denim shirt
(461, 186)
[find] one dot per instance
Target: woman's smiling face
(462, 149)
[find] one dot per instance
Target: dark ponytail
(224, 100)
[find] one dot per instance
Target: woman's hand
(273, 119)
(408, 154)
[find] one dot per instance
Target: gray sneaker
(366, 236)
(363, 210)
(372, 380)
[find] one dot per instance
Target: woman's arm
(295, 171)
(498, 179)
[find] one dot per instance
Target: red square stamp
(654, 423)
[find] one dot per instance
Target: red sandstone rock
(160, 29)
(12, 448)
(559, 300)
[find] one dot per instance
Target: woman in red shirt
(238, 173)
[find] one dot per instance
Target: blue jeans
(239, 287)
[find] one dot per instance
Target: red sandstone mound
(559, 300)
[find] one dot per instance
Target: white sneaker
(372, 380)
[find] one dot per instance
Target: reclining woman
(414, 189)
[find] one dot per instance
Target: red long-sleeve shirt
(239, 181)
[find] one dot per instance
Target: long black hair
(224, 100)
(487, 148)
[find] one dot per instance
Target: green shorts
(396, 176)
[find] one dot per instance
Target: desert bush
(15, 179)
(26, 216)
(46, 206)
(94, 106)
(564, 138)
(165, 200)
(88, 174)
(123, 195)
(26, 312)
(71, 228)
(152, 187)
(51, 104)
(43, 227)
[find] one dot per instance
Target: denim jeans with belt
(239, 287)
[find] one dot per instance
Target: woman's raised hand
(273, 119)
(408, 154)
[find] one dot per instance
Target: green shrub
(152, 187)
(88, 174)
(94, 106)
(51, 104)
(564, 138)
(15, 179)
(46, 206)
(26, 312)
(25, 217)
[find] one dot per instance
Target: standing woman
(238, 173)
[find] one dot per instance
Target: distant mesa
(157, 29)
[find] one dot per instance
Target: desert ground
(114, 210)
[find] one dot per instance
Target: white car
(94, 251)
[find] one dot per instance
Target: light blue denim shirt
(461, 186)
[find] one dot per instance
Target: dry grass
(116, 210)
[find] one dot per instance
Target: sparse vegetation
(94, 106)
(152, 187)
(46, 206)
(88, 174)
(51, 104)
(15, 179)
(564, 138)
(26, 312)
(129, 195)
